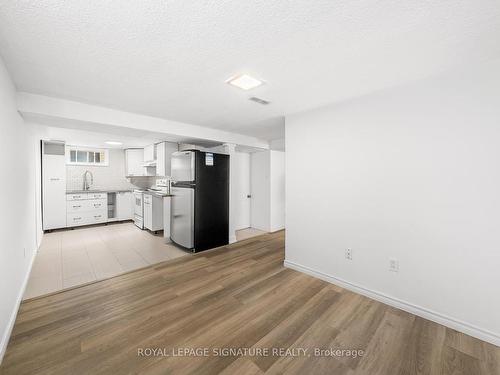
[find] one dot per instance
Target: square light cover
(244, 82)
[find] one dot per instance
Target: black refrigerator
(199, 216)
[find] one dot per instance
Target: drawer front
(76, 219)
(86, 218)
(97, 204)
(97, 195)
(147, 198)
(88, 205)
(76, 197)
(75, 206)
(96, 217)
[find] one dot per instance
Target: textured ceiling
(170, 58)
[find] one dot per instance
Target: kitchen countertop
(157, 193)
(98, 191)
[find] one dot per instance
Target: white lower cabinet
(86, 209)
(99, 216)
(75, 219)
(86, 205)
(148, 212)
(153, 212)
(86, 218)
(95, 208)
(125, 205)
(74, 207)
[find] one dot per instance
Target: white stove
(139, 208)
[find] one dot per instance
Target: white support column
(230, 149)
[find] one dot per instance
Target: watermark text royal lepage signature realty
(248, 352)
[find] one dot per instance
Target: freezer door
(182, 216)
(183, 166)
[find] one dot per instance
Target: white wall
(268, 188)
(18, 234)
(111, 176)
(411, 173)
(36, 134)
(277, 144)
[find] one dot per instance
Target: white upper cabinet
(134, 162)
(153, 160)
(149, 153)
(164, 152)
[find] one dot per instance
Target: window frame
(88, 150)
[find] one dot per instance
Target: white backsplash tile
(109, 177)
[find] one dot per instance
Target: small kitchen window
(86, 156)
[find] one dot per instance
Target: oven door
(138, 204)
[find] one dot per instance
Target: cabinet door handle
(54, 179)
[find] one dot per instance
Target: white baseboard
(13, 316)
(434, 316)
(277, 230)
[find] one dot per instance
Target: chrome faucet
(86, 185)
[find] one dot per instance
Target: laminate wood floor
(239, 296)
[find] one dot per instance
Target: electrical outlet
(348, 254)
(393, 265)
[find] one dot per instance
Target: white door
(260, 205)
(243, 191)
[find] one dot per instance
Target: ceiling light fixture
(113, 143)
(244, 82)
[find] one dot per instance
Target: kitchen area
(112, 204)
(84, 186)
(106, 211)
